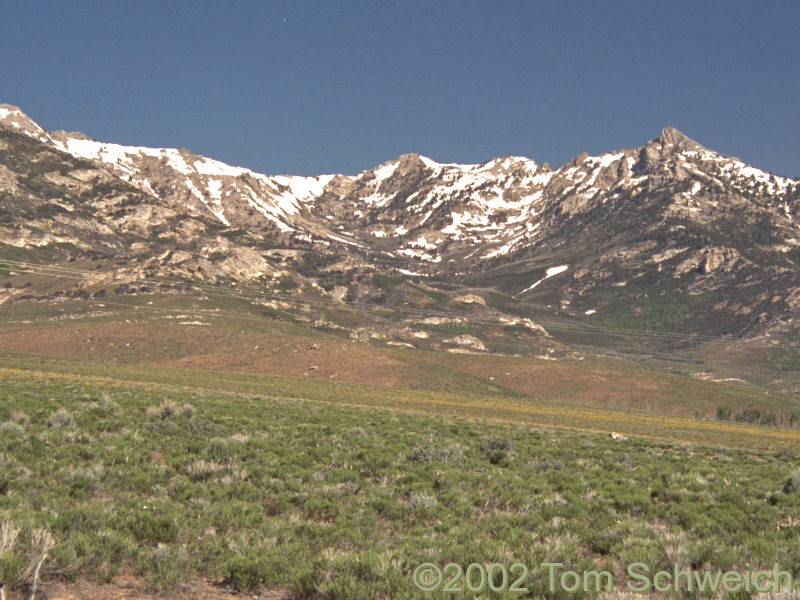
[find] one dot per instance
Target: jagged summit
(669, 142)
(669, 217)
(675, 140)
(672, 140)
(10, 108)
(12, 117)
(499, 206)
(63, 136)
(672, 135)
(412, 160)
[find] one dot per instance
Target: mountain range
(667, 249)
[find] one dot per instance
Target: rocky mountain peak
(669, 142)
(9, 109)
(672, 140)
(671, 135)
(13, 118)
(410, 162)
(599, 236)
(62, 136)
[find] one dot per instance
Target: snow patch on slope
(209, 166)
(550, 273)
(215, 189)
(384, 172)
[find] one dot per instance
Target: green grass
(468, 399)
(335, 501)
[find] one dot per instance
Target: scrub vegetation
(320, 499)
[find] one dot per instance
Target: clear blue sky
(336, 86)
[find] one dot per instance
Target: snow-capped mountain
(629, 235)
(414, 207)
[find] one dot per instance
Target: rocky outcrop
(635, 231)
(718, 258)
(469, 342)
(708, 260)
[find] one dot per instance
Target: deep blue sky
(335, 86)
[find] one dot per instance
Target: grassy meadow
(309, 489)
